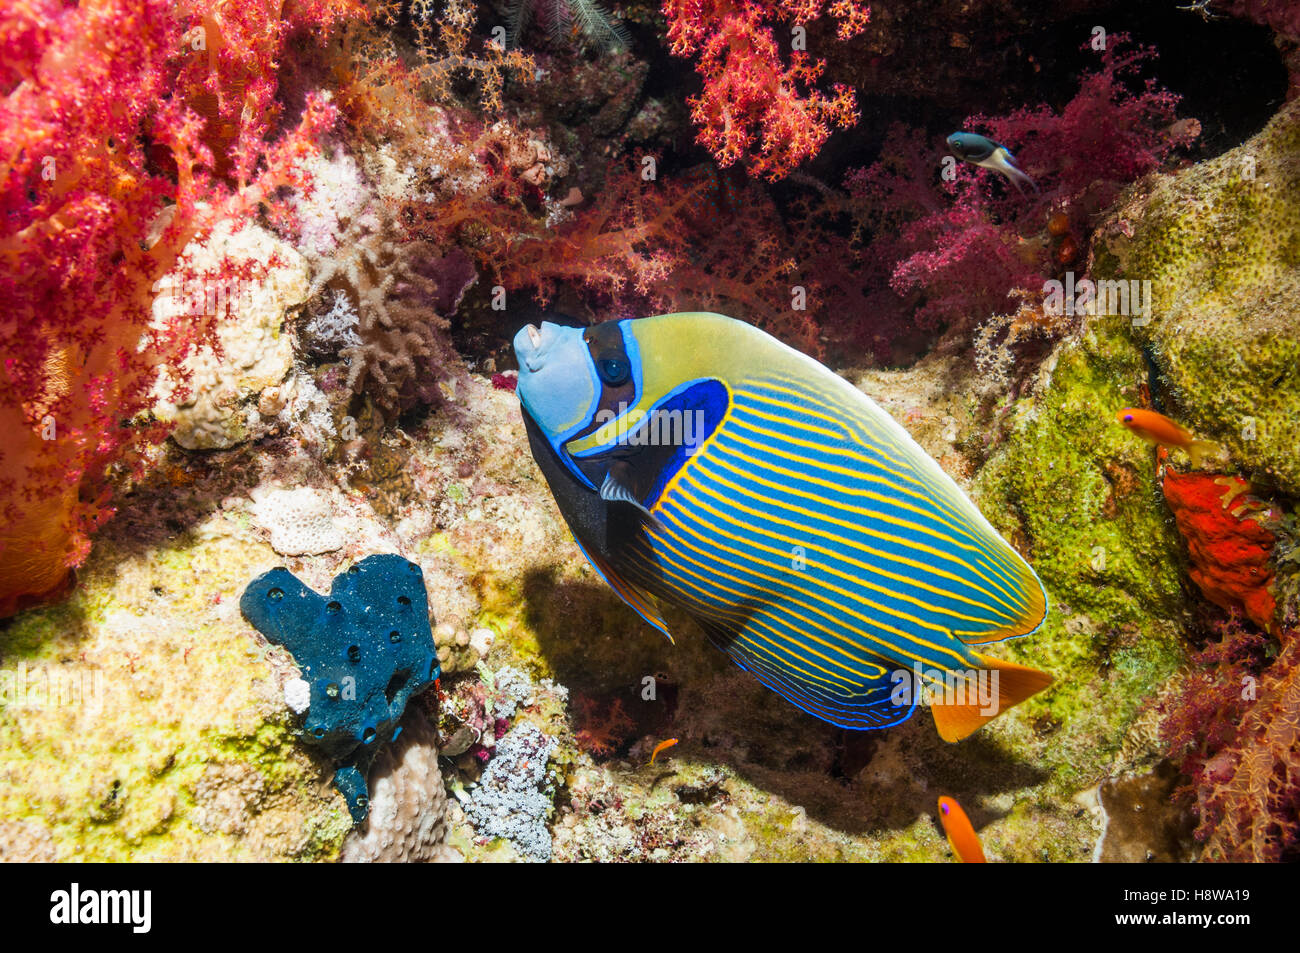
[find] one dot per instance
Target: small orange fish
(1159, 429)
(660, 747)
(963, 840)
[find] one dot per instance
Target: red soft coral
(692, 242)
(756, 103)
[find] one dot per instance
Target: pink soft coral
(123, 136)
(957, 250)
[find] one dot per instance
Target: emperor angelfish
(987, 154)
(701, 463)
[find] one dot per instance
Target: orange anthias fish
(963, 840)
(660, 747)
(1159, 429)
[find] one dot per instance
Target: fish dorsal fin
(635, 596)
(615, 489)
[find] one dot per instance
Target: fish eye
(1128, 418)
(613, 370)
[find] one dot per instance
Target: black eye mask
(605, 344)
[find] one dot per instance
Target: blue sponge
(365, 650)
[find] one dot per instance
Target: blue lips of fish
(702, 464)
(987, 154)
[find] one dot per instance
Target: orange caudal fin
(966, 712)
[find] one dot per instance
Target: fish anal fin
(860, 714)
(955, 721)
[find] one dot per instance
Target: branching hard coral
(388, 246)
(126, 129)
(401, 345)
(757, 104)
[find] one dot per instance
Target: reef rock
(1220, 245)
(408, 803)
(247, 279)
(1076, 493)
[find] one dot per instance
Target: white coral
(327, 331)
(300, 521)
(297, 695)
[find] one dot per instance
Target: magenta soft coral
(1106, 136)
(122, 137)
(757, 104)
(954, 250)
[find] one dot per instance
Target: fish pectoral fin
(616, 489)
(1015, 683)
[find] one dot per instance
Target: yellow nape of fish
(957, 718)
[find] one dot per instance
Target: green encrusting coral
(176, 747)
(1220, 244)
(1077, 494)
